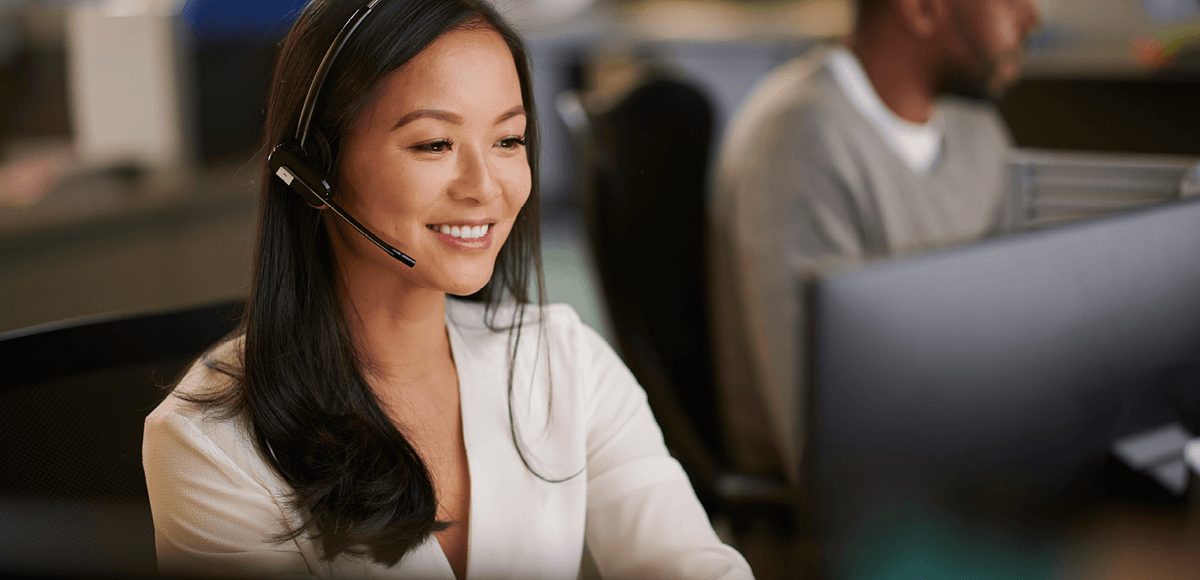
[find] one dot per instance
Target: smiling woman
(457, 148)
(375, 420)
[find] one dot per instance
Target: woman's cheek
(520, 182)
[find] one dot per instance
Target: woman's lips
(464, 236)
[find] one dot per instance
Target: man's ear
(923, 18)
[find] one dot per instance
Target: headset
(290, 162)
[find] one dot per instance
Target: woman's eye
(439, 146)
(512, 142)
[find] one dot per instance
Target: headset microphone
(290, 163)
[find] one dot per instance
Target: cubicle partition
(1054, 187)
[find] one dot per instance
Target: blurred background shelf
(108, 245)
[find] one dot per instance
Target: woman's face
(436, 165)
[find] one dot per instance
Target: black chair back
(643, 200)
(73, 498)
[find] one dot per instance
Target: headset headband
(314, 89)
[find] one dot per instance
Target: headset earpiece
(290, 163)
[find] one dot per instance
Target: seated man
(850, 151)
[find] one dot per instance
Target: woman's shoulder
(191, 422)
(211, 375)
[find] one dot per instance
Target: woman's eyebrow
(513, 112)
(439, 114)
(449, 117)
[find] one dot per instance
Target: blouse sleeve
(210, 516)
(643, 518)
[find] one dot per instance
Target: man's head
(985, 45)
(974, 47)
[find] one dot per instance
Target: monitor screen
(965, 403)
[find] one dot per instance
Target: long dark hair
(300, 383)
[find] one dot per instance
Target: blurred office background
(129, 128)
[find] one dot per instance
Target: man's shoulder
(795, 131)
(799, 92)
(796, 116)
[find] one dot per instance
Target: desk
(117, 244)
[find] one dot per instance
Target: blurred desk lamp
(130, 84)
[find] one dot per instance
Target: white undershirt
(918, 144)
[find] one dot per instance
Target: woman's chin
(464, 293)
(468, 285)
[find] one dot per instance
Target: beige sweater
(805, 183)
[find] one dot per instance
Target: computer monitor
(965, 403)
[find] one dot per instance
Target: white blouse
(217, 504)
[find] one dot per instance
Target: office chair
(644, 163)
(73, 498)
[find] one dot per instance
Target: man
(852, 151)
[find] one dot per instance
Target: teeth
(463, 232)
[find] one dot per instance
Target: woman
(364, 425)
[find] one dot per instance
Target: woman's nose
(477, 178)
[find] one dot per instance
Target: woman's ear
(923, 18)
